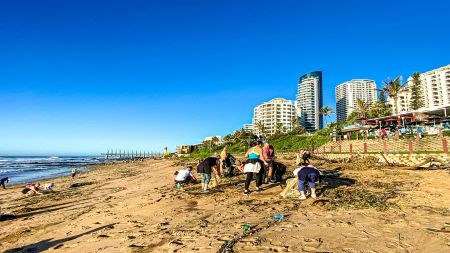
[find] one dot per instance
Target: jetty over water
(127, 154)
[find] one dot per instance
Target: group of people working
(260, 165)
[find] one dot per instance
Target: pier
(127, 154)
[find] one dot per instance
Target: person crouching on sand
(307, 173)
(32, 189)
(205, 168)
(184, 176)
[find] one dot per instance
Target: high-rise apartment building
(277, 113)
(435, 89)
(309, 100)
(348, 93)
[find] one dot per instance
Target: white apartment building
(435, 87)
(270, 114)
(348, 93)
(309, 100)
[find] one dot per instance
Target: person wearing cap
(307, 173)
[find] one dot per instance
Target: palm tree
(261, 128)
(296, 126)
(326, 112)
(362, 108)
(392, 88)
(279, 128)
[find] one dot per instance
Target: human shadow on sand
(332, 179)
(49, 243)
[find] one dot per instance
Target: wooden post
(445, 146)
(331, 149)
(351, 148)
(324, 150)
(384, 146)
(410, 147)
(365, 148)
(340, 148)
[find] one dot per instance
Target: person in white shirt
(184, 176)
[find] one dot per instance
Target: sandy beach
(134, 207)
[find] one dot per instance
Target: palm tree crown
(392, 88)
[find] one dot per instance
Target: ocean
(22, 169)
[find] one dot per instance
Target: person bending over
(306, 155)
(205, 168)
(184, 176)
(4, 181)
(307, 173)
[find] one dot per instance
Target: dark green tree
(416, 92)
(380, 108)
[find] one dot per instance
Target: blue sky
(78, 77)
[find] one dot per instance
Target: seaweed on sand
(359, 197)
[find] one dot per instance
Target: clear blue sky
(77, 77)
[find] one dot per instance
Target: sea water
(21, 169)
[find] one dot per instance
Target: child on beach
(74, 172)
(307, 173)
(184, 176)
(3, 180)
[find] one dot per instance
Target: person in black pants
(254, 166)
(259, 180)
(3, 180)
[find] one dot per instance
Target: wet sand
(135, 207)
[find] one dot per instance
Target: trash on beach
(278, 217)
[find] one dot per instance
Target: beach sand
(135, 207)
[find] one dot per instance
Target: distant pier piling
(130, 155)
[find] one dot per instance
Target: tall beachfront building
(273, 114)
(435, 88)
(309, 100)
(348, 93)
